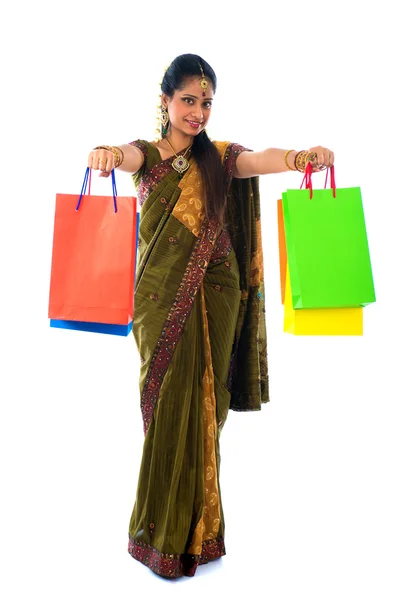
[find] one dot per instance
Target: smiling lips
(194, 124)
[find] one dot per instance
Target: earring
(164, 118)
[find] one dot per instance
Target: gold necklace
(180, 163)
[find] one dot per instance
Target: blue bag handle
(84, 186)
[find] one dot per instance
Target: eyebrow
(196, 97)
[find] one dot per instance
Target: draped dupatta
(248, 377)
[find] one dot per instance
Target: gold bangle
(297, 161)
(300, 161)
(118, 158)
(285, 160)
(117, 149)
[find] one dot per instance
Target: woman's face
(188, 110)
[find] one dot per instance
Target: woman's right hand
(101, 160)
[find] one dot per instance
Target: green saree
(200, 330)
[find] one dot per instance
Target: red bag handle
(308, 181)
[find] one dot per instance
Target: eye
(188, 100)
(207, 104)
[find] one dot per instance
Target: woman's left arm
(272, 160)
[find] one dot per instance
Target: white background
(311, 483)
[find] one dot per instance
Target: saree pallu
(200, 330)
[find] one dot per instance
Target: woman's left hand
(321, 158)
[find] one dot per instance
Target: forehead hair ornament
(203, 81)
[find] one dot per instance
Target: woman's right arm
(104, 160)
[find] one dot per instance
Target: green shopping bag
(327, 246)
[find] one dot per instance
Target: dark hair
(203, 150)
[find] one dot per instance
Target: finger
(322, 160)
(314, 164)
(95, 161)
(110, 163)
(90, 160)
(312, 157)
(102, 163)
(98, 157)
(106, 161)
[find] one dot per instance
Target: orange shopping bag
(282, 250)
(93, 262)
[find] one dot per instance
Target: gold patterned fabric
(257, 263)
(208, 526)
(189, 209)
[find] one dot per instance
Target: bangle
(285, 160)
(118, 158)
(302, 158)
(300, 161)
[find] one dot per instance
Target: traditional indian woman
(199, 319)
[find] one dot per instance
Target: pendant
(180, 164)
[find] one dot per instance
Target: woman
(199, 312)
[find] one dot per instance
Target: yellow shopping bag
(320, 321)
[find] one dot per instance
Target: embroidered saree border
(147, 179)
(231, 152)
(176, 565)
(142, 147)
(222, 248)
(176, 319)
